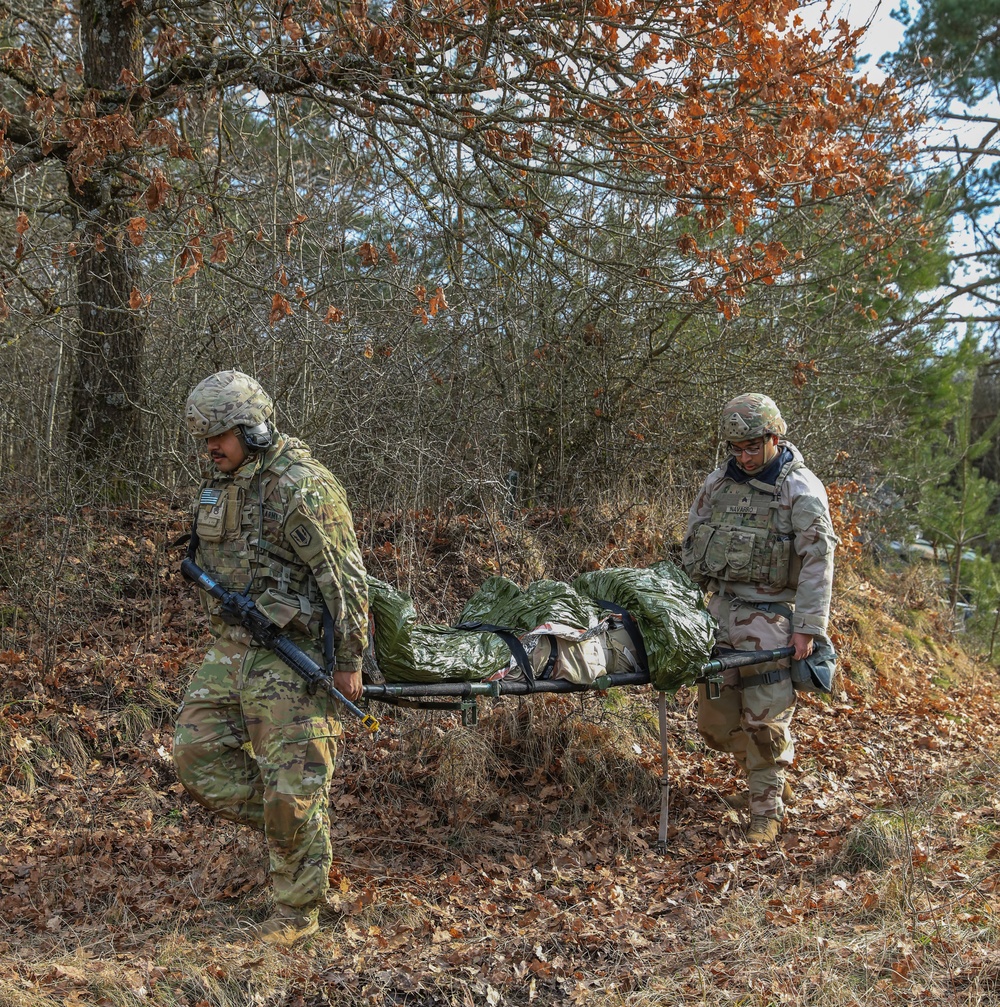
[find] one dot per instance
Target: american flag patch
(209, 496)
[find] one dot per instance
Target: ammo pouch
(744, 554)
(292, 611)
(815, 673)
(220, 510)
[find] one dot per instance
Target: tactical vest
(741, 540)
(240, 543)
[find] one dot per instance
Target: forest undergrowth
(511, 863)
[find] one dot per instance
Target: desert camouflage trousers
(754, 724)
(252, 745)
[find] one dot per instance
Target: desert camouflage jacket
(765, 542)
(280, 529)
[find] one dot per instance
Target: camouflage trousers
(754, 723)
(252, 745)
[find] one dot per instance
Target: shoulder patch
(209, 496)
(301, 536)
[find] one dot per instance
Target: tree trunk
(106, 425)
(985, 407)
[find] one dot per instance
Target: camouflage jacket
(763, 542)
(279, 528)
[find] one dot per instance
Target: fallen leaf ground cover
(512, 863)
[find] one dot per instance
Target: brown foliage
(731, 119)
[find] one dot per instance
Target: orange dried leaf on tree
(192, 257)
(23, 223)
(135, 299)
(280, 308)
(333, 315)
(156, 191)
(161, 133)
(292, 229)
(17, 59)
(369, 254)
(437, 302)
(293, 29)
(136, 230)
(220, 245)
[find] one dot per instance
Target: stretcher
(463, 697)
(239, 609)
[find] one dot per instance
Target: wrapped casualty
(617, 620)
(408, 651)
(669, 610)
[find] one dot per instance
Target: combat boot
(763, 830)
(741, 801)
(288, 925)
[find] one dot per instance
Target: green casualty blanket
(407, 651)
(501, 602)
(668, 607)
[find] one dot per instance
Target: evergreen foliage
(954, 41)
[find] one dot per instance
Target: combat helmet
(229, 400)
(748, 416)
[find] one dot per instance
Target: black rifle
(239, 610)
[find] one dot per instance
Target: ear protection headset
(256, 438)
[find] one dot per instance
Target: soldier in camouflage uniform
(759, 537)
(251, 742)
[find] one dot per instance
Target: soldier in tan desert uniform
(252, 743)
(759, 537)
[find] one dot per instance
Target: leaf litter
(512, 863)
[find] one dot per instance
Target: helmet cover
(226, 400)
(748, 416)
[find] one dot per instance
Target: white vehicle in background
(919, 550)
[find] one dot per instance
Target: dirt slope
(513, 863)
